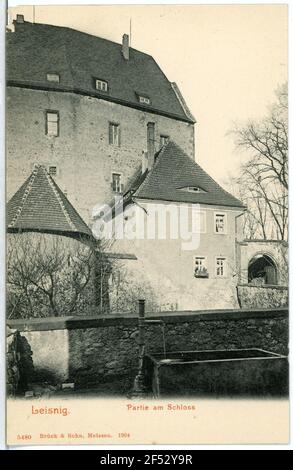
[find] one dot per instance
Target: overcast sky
(226, 59)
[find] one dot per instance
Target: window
(220, 267)
(52, 170)
(114, 134)
(53, 77)
(193, 189)
(164, 139)
(117, 185)
(200, 267)
(52, 123)
(220, 223)
(144, 99)
(101, 85)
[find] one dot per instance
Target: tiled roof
(173, 172)
(34, 50)
(40, 205)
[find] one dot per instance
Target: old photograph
(147, 210)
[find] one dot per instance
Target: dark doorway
(262, 270)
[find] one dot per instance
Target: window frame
(200, 257)
(101, 80)
(111, 125)
(191, 189)
(225, 267)
(141, 99)
(121, 186)
(224, 214)
(205, 265)
(52, 111)
(53, 73)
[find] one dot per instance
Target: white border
(2, 224)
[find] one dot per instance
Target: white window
(52, 170)
(117, 185)
(53, 77)
(200, 266)
(221, 267)
(192, 189)
(114, 134)
(101, 85)
(52, 123)
(164, 139)
(144, 99)
(220, 222)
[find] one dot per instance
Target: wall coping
(120, 320)
(265, 286)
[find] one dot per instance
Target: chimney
(151, 144)
(19, 19)
(144, 162)
(125, 46)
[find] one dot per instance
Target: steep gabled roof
(173, 172)
(39, 205)
(34, 50)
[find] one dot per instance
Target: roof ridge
(86, 34)
(25, 195)
(56, 192)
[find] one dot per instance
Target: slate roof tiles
(40, 205)
(34, 50)
(173, 172)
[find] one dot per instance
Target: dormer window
(101, 85)
(192, 189)
(53, 77)
(144, 99)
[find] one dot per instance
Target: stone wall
(88, 350)
(263, 296)
(81, 152)
(19, 362)
(12, 372)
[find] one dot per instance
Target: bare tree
(126, 288)
(47, 275)
(263, 183)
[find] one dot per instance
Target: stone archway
(262, 270)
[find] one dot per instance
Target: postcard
(147, 224)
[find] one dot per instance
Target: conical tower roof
(40, 206)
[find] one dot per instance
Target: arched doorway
(262, 270)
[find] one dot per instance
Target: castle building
(107, 124)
